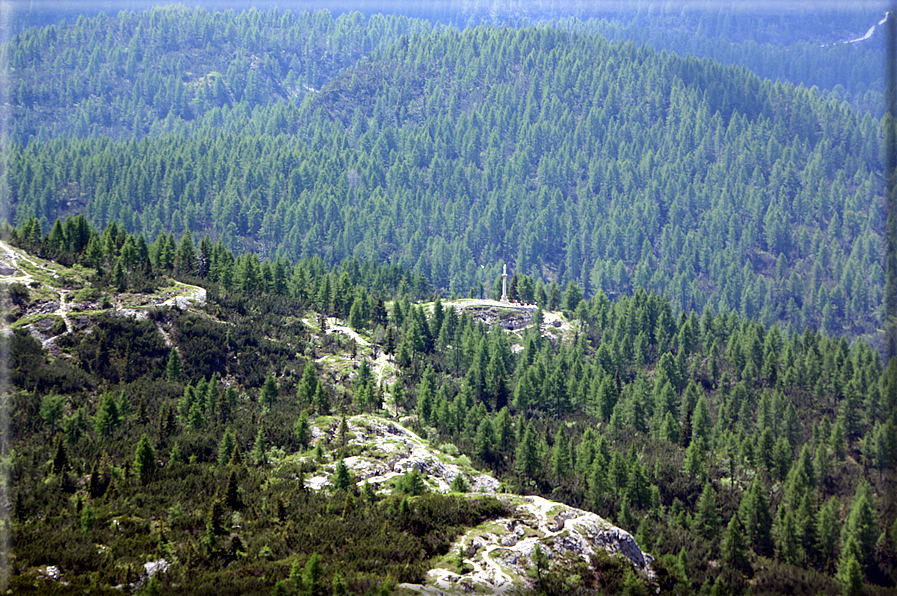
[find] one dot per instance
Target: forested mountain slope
(149, 72)
(806, 47)
(746, 459)
(573, 159)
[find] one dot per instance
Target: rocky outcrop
(499, 553)
(390, 450)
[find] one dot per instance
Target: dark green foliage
(412, 483)
(460, 484)
(766, 452)
(173, 368)
(269, 391)
(144, 460)
(707, 521)
(108, 416)
(861, 529)
(302, 430)
(755, 516)
(60, 458)
(308, 386)
(226, 447)
(733, 547)
(342, 478)
(231, 496)
(449, 169)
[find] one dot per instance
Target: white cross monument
(504, 284)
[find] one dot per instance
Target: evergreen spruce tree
(308, 386)
(788, 540)
(390, 346)
(733, 548)
(226, 447)
(861, 526)
(807, 525)
(60, 457)
(411, 484)
(144, 460)
(296, 578)
(303, 430)
(484, 444)
(174, 456)
(342, 479)
(638, 487)
(223, 407)
(214, 527)
(597, 480)
(118, 276)
(321, 401)
(236, 457)
(259, 456)
(526, 461)
(173, 368)
(756, 517)
(707, 519)
(269, 393)
(108, 418)
(459, 484)
(850, 573)
(185, 256)
(231, 492)
(560, 456)
(504, 432)
(838, 441)
(356, 314)
(695, 456)
(827, 535)
(343, 433)
(425, 400)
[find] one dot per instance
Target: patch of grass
(31, 319)
(324, 422)
(88, 294)
(492, 527)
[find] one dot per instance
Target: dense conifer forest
(708, 241)
(446, 152)
(744, 457)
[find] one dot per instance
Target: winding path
(13, 254)
(61, 311)
(185, 294)
(501, 580)
(378, 365)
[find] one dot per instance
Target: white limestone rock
(499, 553)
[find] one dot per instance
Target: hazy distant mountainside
(234, 427)
(805, 48)
(117, 75)
(146, 73)
(570, 158)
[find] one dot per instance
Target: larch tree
(144, 460)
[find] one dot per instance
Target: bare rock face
(499, 553)
(561, 531)
(391, 450)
